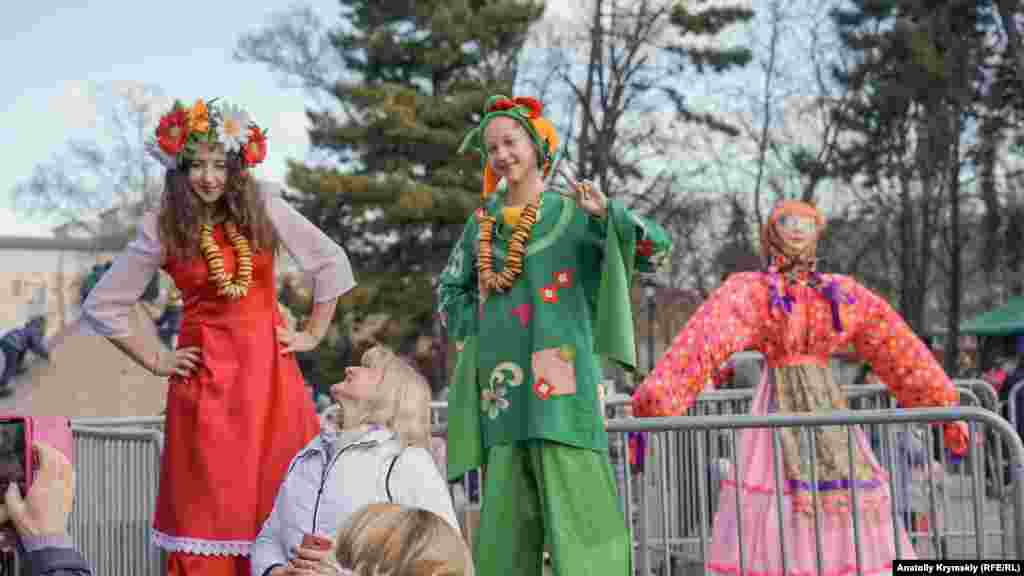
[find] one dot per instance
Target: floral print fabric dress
(798, 329)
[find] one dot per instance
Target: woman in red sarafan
(798, 318)
(237, 409)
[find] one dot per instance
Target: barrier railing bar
(847, 417)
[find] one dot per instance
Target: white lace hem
(200, 546)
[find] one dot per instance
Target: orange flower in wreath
(172, 133)
(199, 117)
(256, 146)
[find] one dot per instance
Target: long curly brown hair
(180, 210)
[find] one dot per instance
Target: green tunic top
(528, 364)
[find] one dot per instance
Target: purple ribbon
(832, 292)
(830, 485)
(638, 446)
(835, 295)
(783, 301)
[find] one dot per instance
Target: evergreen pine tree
(417, 75)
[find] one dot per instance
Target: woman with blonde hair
(374, 446)
(393, 540)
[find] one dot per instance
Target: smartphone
(55, 431)
(17, 463)
(316, 542)
(18, 460)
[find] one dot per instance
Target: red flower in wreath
(532, 104)
(645, 248)
(256, 146)
(502, 104)
(542, 388)
(549, 294)
(172, 133)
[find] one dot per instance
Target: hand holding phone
(16, 461)
(44, 509)
(316, 542)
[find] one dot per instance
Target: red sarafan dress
(233, 426)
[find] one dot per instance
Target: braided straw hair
(776, 251)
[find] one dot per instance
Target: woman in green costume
(536, 289)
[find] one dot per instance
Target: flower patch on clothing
(645, 248)
(563, 278)
(523, 312)
(493, 402)
(549, 293)
(553, 374)
(506, 374)
(542, 388)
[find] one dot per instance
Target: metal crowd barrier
(1011, 403)
(689, 462)
(117, 472)
(966, 531)
(141, 422)
(126, 450)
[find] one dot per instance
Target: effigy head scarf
(528, 113)
(788, 260)
(785, 256)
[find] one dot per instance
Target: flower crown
(182, 130)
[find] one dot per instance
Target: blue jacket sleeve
(56, 562)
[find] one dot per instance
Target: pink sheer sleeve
(321, 259)
(108, 309)
(731, 320)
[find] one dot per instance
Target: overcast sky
(57, 50)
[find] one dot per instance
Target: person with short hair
(15, 345)
(393, 540)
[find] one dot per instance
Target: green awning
(1006, 320)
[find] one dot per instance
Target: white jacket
(336, 475)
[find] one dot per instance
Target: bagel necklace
(502, 281)
(232, 287)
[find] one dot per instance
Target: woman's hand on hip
(181, 362)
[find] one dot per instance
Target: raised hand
(588, 197)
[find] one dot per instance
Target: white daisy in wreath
(231, 131)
